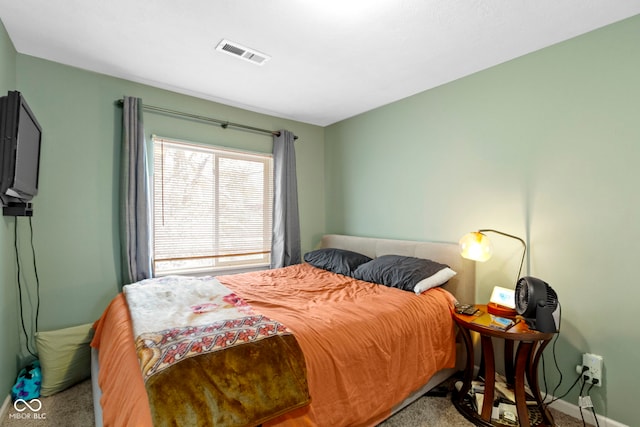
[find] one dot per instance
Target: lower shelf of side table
(466, 407)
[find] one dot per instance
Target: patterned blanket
(208, 358)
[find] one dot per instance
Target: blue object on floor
(27, 385)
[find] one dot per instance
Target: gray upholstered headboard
(462, 285)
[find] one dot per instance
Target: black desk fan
(538, 304)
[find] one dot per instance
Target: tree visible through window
(212, 207)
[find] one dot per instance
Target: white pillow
(439, 278)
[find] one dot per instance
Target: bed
(364, 361)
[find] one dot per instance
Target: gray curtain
(135, 212)
(285, 243)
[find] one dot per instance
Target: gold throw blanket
(207, 358)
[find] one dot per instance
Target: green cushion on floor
(65, 357)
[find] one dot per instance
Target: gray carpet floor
(70, 408)
(74, 408)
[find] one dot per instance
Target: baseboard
(4, 410)
(574, 411)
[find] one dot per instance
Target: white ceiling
(331, 59)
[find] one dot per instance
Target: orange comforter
(366, 346)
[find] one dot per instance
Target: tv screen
(19, 150)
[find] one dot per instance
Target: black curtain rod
(222, 123)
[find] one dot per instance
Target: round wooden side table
(524, 367)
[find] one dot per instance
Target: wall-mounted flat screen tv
(21, 136)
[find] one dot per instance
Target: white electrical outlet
(594, 363)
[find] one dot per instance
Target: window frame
(218, 262)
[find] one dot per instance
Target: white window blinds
(212, 207)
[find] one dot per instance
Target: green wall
(9, 337)
(546, 147)
(76, 211)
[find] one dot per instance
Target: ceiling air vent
(239, 51)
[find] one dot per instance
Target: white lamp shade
(476, 246)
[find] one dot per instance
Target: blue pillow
(398, 271)
(339, 261)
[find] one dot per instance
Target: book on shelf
(502, 389)
(479, 400)
(477, 386)
(495, 322)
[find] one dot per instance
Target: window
(212, 207)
